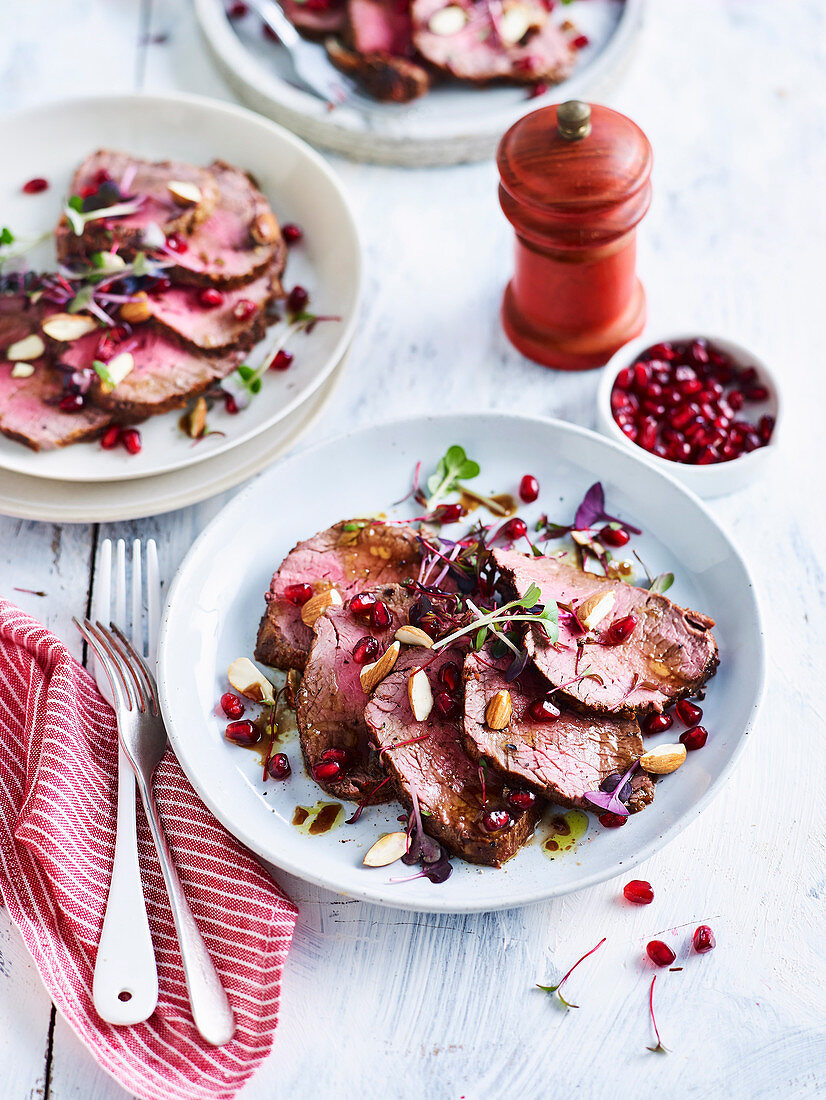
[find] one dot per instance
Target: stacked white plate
(85, 483)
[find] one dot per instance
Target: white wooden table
(386, 1004)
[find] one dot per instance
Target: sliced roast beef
(670, 653)
(108, 177)
(429, 758)
(562, 759)
(380, 26)
(385, 77)
(350, 556)
(237, 243)
(484, 40)
(29, 412)
(331, 700)
(165, 375)
(316, 18)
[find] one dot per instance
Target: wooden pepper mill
(574, 184)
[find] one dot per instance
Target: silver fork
(142, 735)
(125, 986)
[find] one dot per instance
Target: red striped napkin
(58, 764)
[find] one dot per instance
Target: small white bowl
(706, 481)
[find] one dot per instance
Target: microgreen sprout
(659, 1048)
(79, 218)
(608, 801)
(13, 246)
(452, 467)
(661, 583)
(557, 989)
(246, 381)
(526, 609)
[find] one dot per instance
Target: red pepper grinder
(574, 185)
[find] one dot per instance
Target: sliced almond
(136, 311)
(118, 368)
(30, 347)
(515, 23)
(372, 675)
(318, 604)
(499, 710)
(184, 193)
(420, 695)
(447, 21)
(291, 687)
(581, 538)
(196, 419)
(386, 850)
(22, 370)
(413, 635)
(249, 681)
(592, 611)
(664, 759)
(66, 327)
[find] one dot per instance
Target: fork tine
(153, 601)
(137, 596)
(100, 655)
(145, 674)
(112, 653)
(102, 604)
(120, 583)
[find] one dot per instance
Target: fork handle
(211, 1009)
(125, 986)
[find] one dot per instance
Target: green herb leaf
(75, 203)
(246, 372)
(6, 235)
(140, 265)
(662, 583)
(103, 373)
(452, 467)
(532, 597)
(81, 300)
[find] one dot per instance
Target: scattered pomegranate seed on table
(298, 299)
(528, 489)
(660, 953)
(688, 713)
(537, 90)
(703, 939)
(283, 360)
(298, 593)
(242, 733)
(35, 186)
(210, 297)
(694, 738)
(131, 439)
(292, 233)
(278, 766)
(232, 706)
(638, 891)
(658, 723)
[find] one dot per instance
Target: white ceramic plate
(452, 124)
(216, 601)
(98, 502)
(51, 140)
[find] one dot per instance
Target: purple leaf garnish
(592, 510)
(517, 665)
(609, 801)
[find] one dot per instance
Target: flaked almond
(372, 675)
(184, 193)
(592, 611)
(318, 604)
(196, 419)
(447, 21)
(22, 370)
(265, 229)
(499, 710)
(249, 681)
(291, 687)
(515, 23)
(420, 695)
(386, 850)
(66, 327)
(413, 635)
(30, 347)
(664, 759)
(136, 311)
(117, 369)
(581, 538)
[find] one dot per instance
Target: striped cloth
(58, 765)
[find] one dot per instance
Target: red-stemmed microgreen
(423, 848)
(79, 218)
(659, 1048)
(557, 989)
(526, 609)
(454, 466)
(366, 801)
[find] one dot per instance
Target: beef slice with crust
(669, 655)
(561, 760)
(331, 699)
(383, 76)
(435, 766)
(350, 556)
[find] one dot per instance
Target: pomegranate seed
(514, 529)
(703, 939)
(766, 427)
(298, 299)
(283, 360)
(298, 593)
(581, 41)
(110, 438)
(35, 186)
(328, 770)
(237, 10)
(242, 733)
(230, 404)
(521, 800)
(663, 351)
(648, 433)
(735, 399)
(639, 891)
(366, 650)
(611, 821)
(243, 309)
(176, 243)
(688, 713)
(494, 820)
(72, 402)
(624, 379)
(613, 536)
(658, 723)
(538, 90)
(131, 439)
(694, 738)
(528, 489)
(660, 953)
(211, 298)
(756, 393)
(362, 604)
(449, 676)
(278, 766)
(232, 706)
(269, 33)
(341, 756)
(160, 285)
(292, 233)
(449, 513)
(621, 630)
(542, 710)
(446, 705)
(380, 616)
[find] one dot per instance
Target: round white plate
(51, 141)
(451, 124)
(96, 502)
(217, 599)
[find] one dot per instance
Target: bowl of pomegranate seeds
(703, 408)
